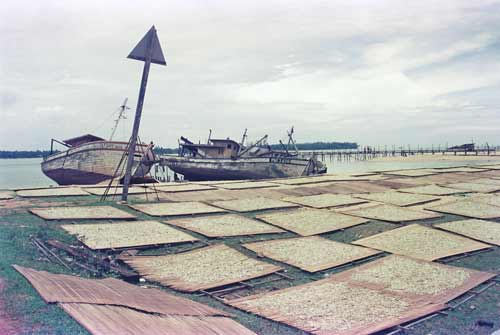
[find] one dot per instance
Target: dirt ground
(8, 324)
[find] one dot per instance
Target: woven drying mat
(446, 199)
(176, 208)
(325, 200)
(6, 195)
(489, 166)
(219, 182)
(315, 179)
(487, 181)
(126, 234)
(307, 221)
(52, 192)
(430, 190)
(421, 242)
(397, 183)
(106, 320)
(481, 230)
(211, 195)
(200, 269)
(492, 199)
(246, 185)
(117, 190)
(331, 307)
(292, 190)
(470, 208)
(423, 281)
(360, 186)
(464, 169)
(179, 187)
(253, 204)
(225, 225)
(398, 198)
(311, 253)
(392, 213)
(110, 291)
(475, 187)
(411, 173)
(81, 212)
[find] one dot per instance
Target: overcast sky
(373, 72)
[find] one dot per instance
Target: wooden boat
(225, 159)
(90, 159)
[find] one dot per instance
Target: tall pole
(143, 51)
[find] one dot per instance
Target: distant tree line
(23, 153)
(321, 146)
(169, 151)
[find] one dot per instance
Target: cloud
(376, 72)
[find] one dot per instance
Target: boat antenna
(121, 115)
(209, 136)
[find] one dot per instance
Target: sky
(373, 72)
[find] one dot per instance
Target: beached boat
(225, 159)
(90, 159)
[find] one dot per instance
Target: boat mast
(290, 139)
(243, 138)
(123, 107)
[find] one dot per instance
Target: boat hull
(244, 168)
(92, 163)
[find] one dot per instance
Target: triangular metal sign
(140, 50)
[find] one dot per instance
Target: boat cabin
(218, 148)
(76, 141)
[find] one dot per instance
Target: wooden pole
(137, 120)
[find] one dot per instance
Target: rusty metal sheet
(106, 320)
(71, 289)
